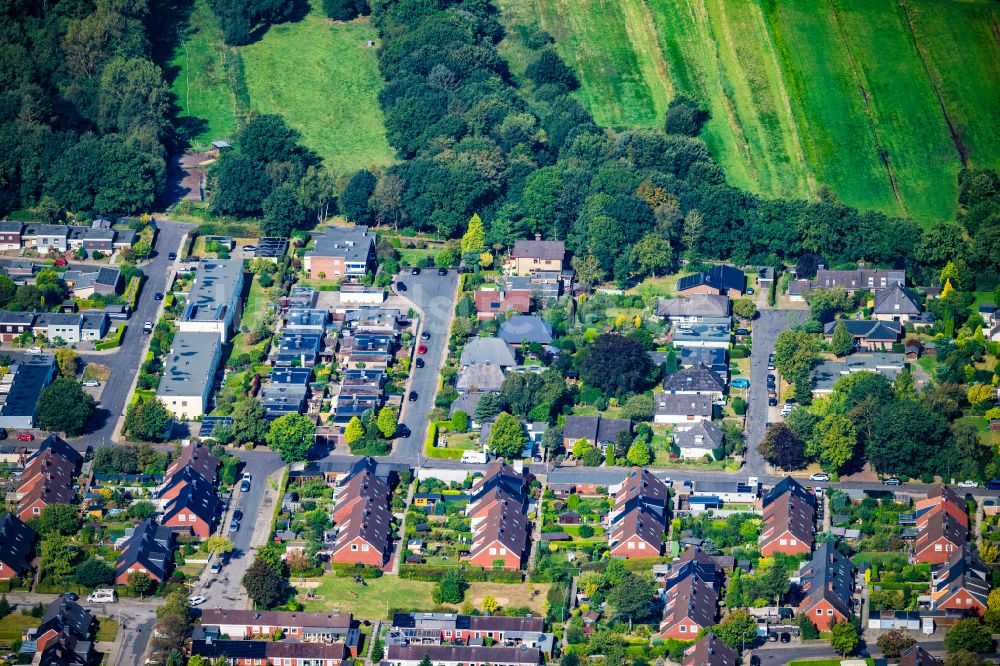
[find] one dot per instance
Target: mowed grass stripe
(199, 79)
(323, 79)
(905, 110)
(836, 134)
(687, 42)
(592, 37)
(752, 76)
(962, 50)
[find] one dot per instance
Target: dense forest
(84, 111)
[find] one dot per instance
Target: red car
(25, 437)
(61, 262)
(422, 349)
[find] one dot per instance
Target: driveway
(766, 327)
(223, 590)
(124, 363)
(434, 296)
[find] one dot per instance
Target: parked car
(426, 335)
(245, 485)
(403, 431)
(442, 271)
(422, 349)
(992, 484)
(234, 526)
(102, 596)
(420, 363)
(415, 271)
(742, 331)
(968, 484)
(819, 476)
(158, 296)
(61, 262)
(34, 350)
(891, 481)
(785, 637)
(772, 402)
(91, 382)
(740, 382)
(196, 600)
(25, 437)
(216, 567)
(147, 327)
(413, 396)
(249, 248)
(171, 256)
(3, 433)
(400, 286)
(71, 596)
(771, 377)
(238, 514)
(754, 660)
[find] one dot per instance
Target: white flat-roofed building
(214, 300)
(189, 373)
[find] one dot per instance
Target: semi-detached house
(301, 626)
(341, 251)
(500, 528)
(789, 519)
(827, 584)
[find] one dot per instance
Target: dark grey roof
(696, 378)
(596, 428)
(291, 376)
(151, 546)
(721, 276)
(539, 249)
(872, 329)
(198, 498)
(788, 485)
(63, 615)
(682, 405)
(8, 317)
(16, 541)
(189, 367)
(352, 243)
(828, 576)
(481, 351)
(271, 247)
(216, 281)
(896, 299)
(694, 305)
(30, 377)
(704, 434)
(526, 328)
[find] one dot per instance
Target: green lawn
(14, 624)
(107, 629)
(198, 79)
(324, 80)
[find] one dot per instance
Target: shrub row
(472, 574)
(113, 341)
(131, 295)
(346, 569)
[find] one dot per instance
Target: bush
(739, 406)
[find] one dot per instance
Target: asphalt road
(766, 327)
(223, 590)
(125, 362)
(434, 296)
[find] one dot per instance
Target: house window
(354, 546)
(819, 611)
(364, 548)
(684, 629)
(36, 510)
(829, 611)
(503, 551)
(937, 548)
(642, 545)
(783, 542)
(793, 542)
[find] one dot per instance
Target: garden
(878, 520)
(581, 519)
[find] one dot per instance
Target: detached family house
(341, 251)
(681, 411)
(696, 380)
(721, 279)
(529, 256)
(789, 519)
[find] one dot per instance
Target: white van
(103, 596)
(475, 457)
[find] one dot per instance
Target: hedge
(471, 574)
(432, 451)
(113, 341)
(131, 295)
(345, 569)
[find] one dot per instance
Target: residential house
(851, 281)
(701, 440)
(462, 655)
(730, 491)
(529, 256)
(696, 380)
(961, 583)
(10, 234)
(272, 653)
(488, 351)
(637, 521)
(194, 508)
(479, 378)
(916, 655)
(710, 332)
(190, 373)
(868, 334)
(546, 286)
(896, 303)
(372, 349)
(938, 537)
(363, 518)
(197, 457)
(14, 324)
(710, 651)
(17, 543)
(595, 430)
(692, 309)
(148, 549)
(721, 279)
(789, 513)
(102, 240)
(826, 373)
(298, 349)
(72, 327)
(66, 650)
(306, 320)
(340, 251)
(47, 238)
(87, 281)
(213, 303)
(690, 603)
(827, 584)
(491, 302)
(500, 528)
(681, 411)
(301, 626)
(21, 387)
(47, 478)
(64, 617)
(281, 399)
(271, 248)
(437, 628)
(713, 358)
(525, 329)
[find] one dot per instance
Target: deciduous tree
(292, 436)
(265, 587)
(615, 364)
(507, 436)
(844, 638)
(147, 420)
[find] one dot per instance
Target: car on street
(196, 600)
(422, 349)
(426, 335)
(413, 396)
(245, 485)
(992, 484)
(742, 331)
(34, 350)
(415, 271)
(785, 637)
(968, 483)
(216, 567)
(403, 431)
(400, 286)
(71, 596)
(238, 514)
(771, 393)
(25, 437)
(172, 256)
(771, 377)
(420, 363)
(147, 327)
(772, 402)
(891, 481)
(158, 296)
(249, 248)
(754, 660)
(234, 526)
(442, 271)
(61, 262)
(91, 382)
(819, 476)
(102, 596)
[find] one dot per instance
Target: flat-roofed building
(190, 373)
(213, 303)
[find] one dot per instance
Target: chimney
(538, 237)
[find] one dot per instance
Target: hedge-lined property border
(113, 341)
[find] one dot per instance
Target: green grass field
(843, 94)
(323, 79)
(319, 74)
